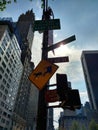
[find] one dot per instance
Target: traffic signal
(72, 101)
(62, 85)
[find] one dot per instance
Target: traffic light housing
(72, 101)
(62, 86)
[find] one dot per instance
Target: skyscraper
(10, 73)
(25, 108)
(90, 68)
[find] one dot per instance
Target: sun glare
(62, 50)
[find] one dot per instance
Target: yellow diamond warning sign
(42, 73)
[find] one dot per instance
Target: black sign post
(47, 24)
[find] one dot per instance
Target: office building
(50, 125)
(25, 109)
(90, 68)
(68, 117)
(10, 73)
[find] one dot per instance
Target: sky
(77, 17)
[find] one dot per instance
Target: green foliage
(75, 126)
(3, 4)
(93, 125)
(83, 127)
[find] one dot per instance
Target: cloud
(84, 96)
(73, 67)
(36, 48)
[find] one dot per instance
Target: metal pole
(42, 105)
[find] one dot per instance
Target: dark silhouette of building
(50, 125)
(90, 68)
(25, 109)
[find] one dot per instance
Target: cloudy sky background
(77, 17)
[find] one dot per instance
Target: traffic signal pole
(42, 105)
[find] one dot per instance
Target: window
(0, 76)
(2, 104)
(4, 65)
(1, 51)
(3, 46)
(1, 70)
(7, 122)
(9, 80)
(4, 81)
(4, 97)
(9, 116)
(4, 42)
(7, 54)
(6, 75)
(0, 94)
(0, 111)
(3, 120)
(6, 59)
(11, 75)
(4, 113)
(10, 65)
(2, 87)
(8, 85)
(6, 91)
(8, 70)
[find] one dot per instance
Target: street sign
(51, 96)
(65, 41)
(42, 73)
(59, 59)
(42, 25)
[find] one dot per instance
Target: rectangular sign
(63, 42)
(51, 96)
(42, 73)
(59, 59)
(42, 25)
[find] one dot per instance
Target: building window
(9, 116)
(4, 42)
(7, 54)
(9, 80)
(1, 69)
(4, 65)
(2, 87)
(8, 85)
(0, 111)
(4, 97)
(7, 122)
(3, 120)
(8, 70)
(4, 81)
(10, 75)
(10, 65)
(1, 51)
(6, 75)
(6, 91)
(2, 104)
(3, 45)
(0, 76)
(0, 94)
(6, 59)
(5, 114)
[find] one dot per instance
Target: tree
(75, 126)
(3, 4)
(93, 125)
(83, 127)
